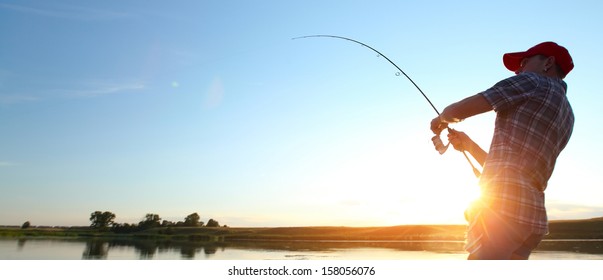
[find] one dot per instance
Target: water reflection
(593, 246)
(102, 249)
(326, 246)
(21, 243)
(96, 250)
(147, 249)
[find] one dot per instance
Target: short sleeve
(511, 91)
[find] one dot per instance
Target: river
(115, 249)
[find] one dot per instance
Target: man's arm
(460, 141)
(459, 111)
(456, 112)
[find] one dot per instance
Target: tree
(212, 223)
(150, 220)
(166, 223)
(26, 225)
(192, 220)
(124, 228)
(102, 220)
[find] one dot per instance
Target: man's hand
(459, 140)
(459, 111)
(437, 125)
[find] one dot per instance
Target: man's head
(546, 58)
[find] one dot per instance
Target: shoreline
(559, 230)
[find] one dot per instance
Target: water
(108, 249)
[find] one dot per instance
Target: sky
(139, 107)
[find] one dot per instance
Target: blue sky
(142, 107)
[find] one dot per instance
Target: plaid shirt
(534, 122)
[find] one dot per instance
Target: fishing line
(436, 139)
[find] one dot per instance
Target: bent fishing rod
(440, 147)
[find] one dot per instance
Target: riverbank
(570, 229)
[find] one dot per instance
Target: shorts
(493, 237)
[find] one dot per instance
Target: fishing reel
(441, 148)
(439, 145)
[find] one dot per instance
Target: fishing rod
(440, 147)
(380, 54)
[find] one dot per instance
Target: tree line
(106, 221)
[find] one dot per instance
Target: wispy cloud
(8, 99)
(558, 210)
(8, 164)
(95, 89)
(81, 90)
(66, 12)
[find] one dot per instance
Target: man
(534, 122)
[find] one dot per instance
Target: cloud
(558, 210)
(7, 164)
(95, 89)
(66, 12)
(12, 97)
(7, 99)
(82, 90)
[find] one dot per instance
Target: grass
(572, 229)
(410, 232)
(576, 229)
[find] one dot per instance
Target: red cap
(562, 57)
